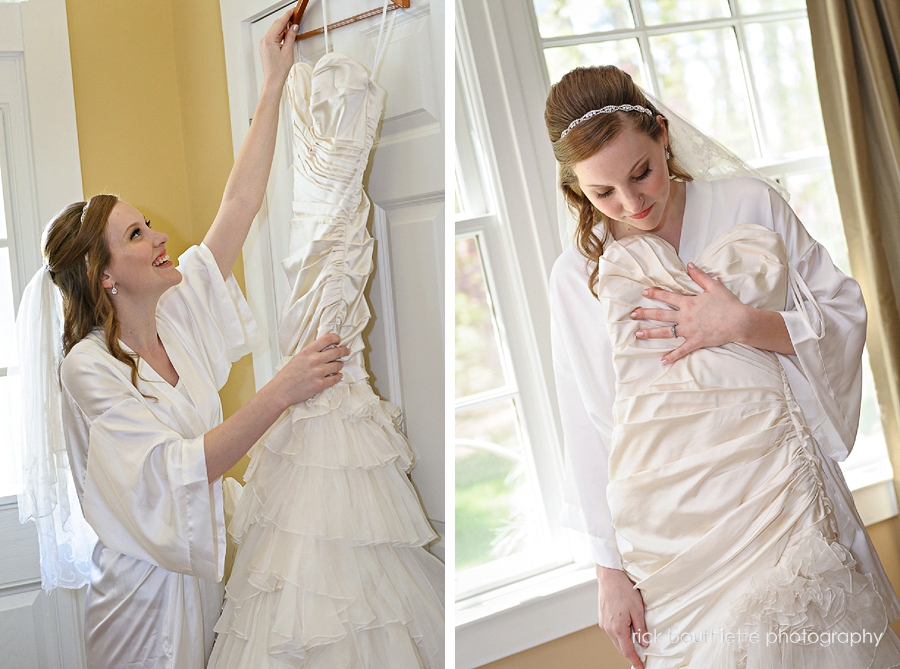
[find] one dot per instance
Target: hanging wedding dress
(331, 569)
(716, 488)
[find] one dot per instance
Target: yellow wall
(151, 103)
(591, 648)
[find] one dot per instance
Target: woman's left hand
(276, 49)
(712, 318)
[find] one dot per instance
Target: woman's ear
(665, 129)
(106, 281)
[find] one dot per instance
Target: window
(504, 487)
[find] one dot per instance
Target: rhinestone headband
(608, 109)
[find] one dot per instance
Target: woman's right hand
(621, 611)
(312, 369)
(276, 49)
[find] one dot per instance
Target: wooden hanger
(301, 8)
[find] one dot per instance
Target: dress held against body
(720, 500)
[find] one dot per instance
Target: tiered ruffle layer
(813, 610)
(330, 571)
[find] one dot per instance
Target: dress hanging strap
(806, 303)
(384, 38)
(325, 21)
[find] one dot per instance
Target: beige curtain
(856, 46)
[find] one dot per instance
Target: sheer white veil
(48, 497)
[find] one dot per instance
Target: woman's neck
(673, 216)
(137, 326)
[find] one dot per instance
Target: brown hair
(76, 252)
(578, 92)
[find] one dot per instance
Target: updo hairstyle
(578, 92)
(77, 253)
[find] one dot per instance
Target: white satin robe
(140, 471)
(824, 375)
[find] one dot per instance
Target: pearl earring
(668, 155)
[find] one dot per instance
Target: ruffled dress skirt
(331, 568)
(716, 485)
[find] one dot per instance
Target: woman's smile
(642, 214)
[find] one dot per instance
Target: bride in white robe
(147, 348)
(648, 443)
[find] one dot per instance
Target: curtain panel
(856, 47)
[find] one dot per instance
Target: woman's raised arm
(246, 184)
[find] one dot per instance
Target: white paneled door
(39, 174)
(405, 183)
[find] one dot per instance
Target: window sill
(876, 502)
(526, 614)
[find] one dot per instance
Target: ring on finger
(673, 332)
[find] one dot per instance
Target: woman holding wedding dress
(707, 356)
(146, 348)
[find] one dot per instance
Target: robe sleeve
(826, 319)
(145, 489)
(211, 312)
(585, 385)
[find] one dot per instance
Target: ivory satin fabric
(331, 570)
(825, 317)
(716, 490)
(140, 471)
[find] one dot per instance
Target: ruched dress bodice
(331, 569)
(715, 486)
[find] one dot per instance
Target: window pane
(701, 78)
(497, 508)
(7, 316)
(814, 200)
(869, 455)
(470, 199)
(579, 17)
(478, 354)
(782, 60)
(666, 11)
(624, 54)
(10, 410)
(759, 6)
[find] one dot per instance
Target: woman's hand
(621, 611)
(276, 50)
(712, 318)
(313, 369)
(309, 372)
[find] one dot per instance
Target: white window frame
(512, 82)
(516, 308)
(520, 234)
